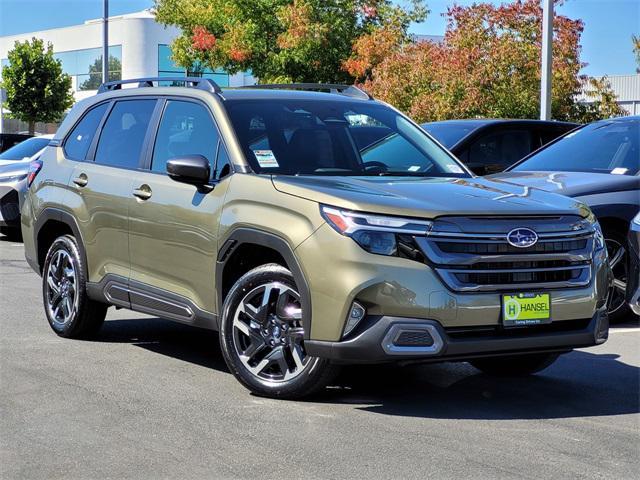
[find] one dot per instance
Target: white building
(138, 47)
(627, 89)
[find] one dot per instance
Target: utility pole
(547, 59)
(105, 41)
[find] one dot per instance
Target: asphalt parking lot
(152, 399)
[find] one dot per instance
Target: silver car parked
(14, 172)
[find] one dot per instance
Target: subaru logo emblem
(522, 237)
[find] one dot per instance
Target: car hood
(428, 197)
(14, 168)
(572, 184)
(4, 163)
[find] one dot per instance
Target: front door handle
(81, 180)
(143, 192)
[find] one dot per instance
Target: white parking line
(624, 330)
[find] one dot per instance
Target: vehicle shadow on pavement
(183, 342)
(579, 384)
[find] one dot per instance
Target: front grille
(498, 278)
(486, 248)
(483, 260)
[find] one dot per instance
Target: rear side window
(186, 129)
(123, 133)
(79, 141)
(501, 148)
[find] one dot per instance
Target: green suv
(312, 226)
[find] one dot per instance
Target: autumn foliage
(488, 65)
(288, 40)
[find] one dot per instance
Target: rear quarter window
(79, 140)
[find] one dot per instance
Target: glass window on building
(167, 68)
(86, 66)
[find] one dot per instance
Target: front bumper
(10, 204)
(375, 343)
(339, 272)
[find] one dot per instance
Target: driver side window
(186, 128)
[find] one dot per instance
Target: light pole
(105, 41)
(547, 59)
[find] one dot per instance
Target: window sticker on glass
(266, 158)
(619, 171)
(454, 168)
(414, 168)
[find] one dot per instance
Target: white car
(14, 171)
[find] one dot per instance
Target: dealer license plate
(523, 309)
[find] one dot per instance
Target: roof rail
(348, 90)
(194, 82)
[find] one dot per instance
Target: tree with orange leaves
(488, 65)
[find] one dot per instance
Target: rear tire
(262, 336)
(70, 312)
(515, 365)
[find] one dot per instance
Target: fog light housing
(356, 313)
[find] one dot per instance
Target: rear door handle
(143, 192)
(81, 180)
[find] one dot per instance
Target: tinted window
(186, 129)
(223, 165)
(319, 137)
(500, 148)
(551, 134)
(605, 147)
(123, 133)
(79, 141)
(25, 149)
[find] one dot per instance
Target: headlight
(598, 236)
(13, 178)
(374, 233)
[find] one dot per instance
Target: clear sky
(606, 41)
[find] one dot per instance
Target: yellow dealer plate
(522, 309)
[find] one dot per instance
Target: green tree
(281, 40)
(37, 89)
(635, 40)
(600, 102)
(95, 73)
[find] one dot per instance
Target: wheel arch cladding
(247, 248)
(51, 224)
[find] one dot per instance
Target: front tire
(617, 305)
(70, 312)
(515, 365)
(262, 336)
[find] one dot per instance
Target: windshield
(602, 147)
(25, 149)
(448, 134)
(319, 137)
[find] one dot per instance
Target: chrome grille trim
(454, 266)
(502, 237)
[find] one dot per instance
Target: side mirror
(192, 169)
